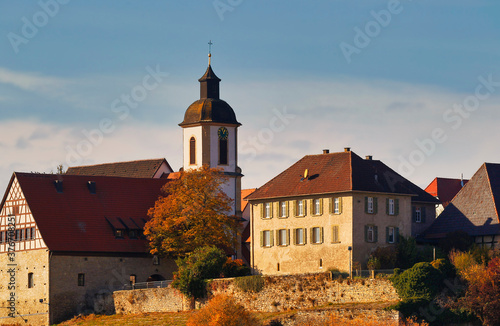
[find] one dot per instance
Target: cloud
(31, 81)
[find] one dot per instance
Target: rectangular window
(30, 280)
(156, 260)
(266, 238)
(81, 279)
(32, 232)
(283, 209)
(299, 236)
(317, 207)
(283, 237)
(18, 235)
(418, 215)
(23, 234)
(390, 207)
(223, 151)
(2, 236)
(370, 237)
(317, 235)
(370, 205)
(336, 205)
(335, 234)
(391, 235)
(28, 234)
(300, 207)
(119, 233)
(268, 210)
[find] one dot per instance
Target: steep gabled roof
(338, 172)
(131, 169)
(76, 220)
(474, 209)
(244, 194)
(445, 189)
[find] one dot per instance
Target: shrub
(222, 311)
(235, 268)
(203, 263)
(253, 283)
(422, 281)
(387, 257)
(373, 263)
(445, 267)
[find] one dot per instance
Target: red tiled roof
(338, 172)
(244, 194)
(132, 169)
(77, 221)
(474, 209)
(445, 189)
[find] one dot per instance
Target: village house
(474, 210)
(444, 190)
(329, 210)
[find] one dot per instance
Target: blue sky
(418, 90)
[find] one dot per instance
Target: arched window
(192, 151)
(223, 151)
(30, 280)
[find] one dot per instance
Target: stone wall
(280, 293)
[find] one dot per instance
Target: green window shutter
(366, 204)
(414, 213)
(375, 232)
(387, 206)
(375, 205)
(396, 231)
(422, 213)
(294, 236)
(366, 233)
(262, 210)
(262, 238)
(387, 234)
(271, 237)
(330, 205)
(340, 205)
(396, 206)
(305, 235)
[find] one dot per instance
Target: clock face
(222, 133)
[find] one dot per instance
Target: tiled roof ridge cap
(121, 162)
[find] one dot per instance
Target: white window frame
(283, 209)
(316, 235)
(392, 234)
(266, 241)
(370, 234)
(300, 207)
(316, 206)
(392, 206)
(300, 232)
(336, 205)
(369, 209)
(418, 215)
(282, 237)
(268, 210)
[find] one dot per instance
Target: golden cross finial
(209, 51)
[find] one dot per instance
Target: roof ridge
(153, 159)
(491, 190)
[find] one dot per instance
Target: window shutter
(278, 240)
(312, 235)
(305, 207)
(295, 208)
(272, 238)
(331, 203)
(287, 237)
(340, 205)
(366, 205)
(262, 210)
(294, 236)
(387, 234)
(321, 235)
(335, 234)
(311, 208)
(387, 206)
(366, 232)
(422, 214)
(396, 231)
(321, 206)
(262, 238)
(375, 232)
(286, 208)
(414, 213)
(375, 205)
(305, 235)
(396, 206)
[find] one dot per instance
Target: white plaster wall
(195, 132)
(214, 144)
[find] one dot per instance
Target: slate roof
(78, 221)
(339, 172)
(474, 209)
(131, 169)
(445, 189)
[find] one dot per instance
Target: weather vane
(209, 51)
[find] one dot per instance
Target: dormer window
(119, 233)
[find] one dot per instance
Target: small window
(23, 233)
(119, 233)
(266, 239)
(390, 207)
(132, 234)
(28, 234)
(2, 236)
(418, 215)
(283, 237)
(335, 234)
(299, 237)
(18, 235)
(81, 279)
(320, 263)
(223, 151)
(317, 235)
(30, 281)
(371, 233)
(317, 207)
(370, 205)
(283, 209)
(133, 278)
(192, 151)
(336, 205)
(268, 210)
(156, 260)
(300, 207)
(391, 235)
(278, 267)
(32, 232)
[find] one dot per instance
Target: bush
(373, 263)
(235, 268)
(421, 282)
(445, 267)
(253, 283)
(222, 311)
(387, 257)
(203, 263)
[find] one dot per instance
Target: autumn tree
(193, 213)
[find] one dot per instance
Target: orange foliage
(222, 310)
(194, 213)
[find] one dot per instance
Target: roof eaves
(7, 190)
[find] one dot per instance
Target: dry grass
(150, 319)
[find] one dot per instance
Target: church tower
(210, 136)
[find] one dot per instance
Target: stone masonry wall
(280, 293)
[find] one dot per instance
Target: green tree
(202, 264)
(193, 213)
(422, 281)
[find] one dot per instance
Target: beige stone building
(327, 210)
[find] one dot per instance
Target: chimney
(347, 149)
(326, 151)
(369, 157)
